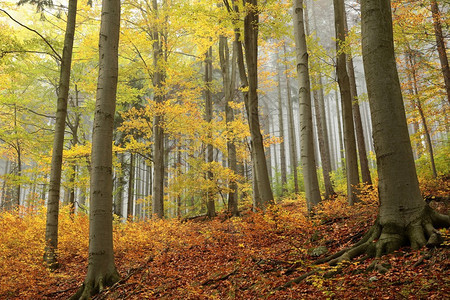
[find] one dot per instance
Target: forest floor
(223, 258)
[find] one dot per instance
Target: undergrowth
(237, 258)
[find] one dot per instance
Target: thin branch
(30, 29)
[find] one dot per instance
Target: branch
(28, 51)
(30, 29)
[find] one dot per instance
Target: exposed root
(385, 239)
(95, 285)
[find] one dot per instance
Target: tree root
(94, 285)
(385, 239)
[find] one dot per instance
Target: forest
(224, 149)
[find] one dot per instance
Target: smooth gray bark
(51, 226)
(418, 105)
(291, 126)
(351, 166)
(210, 194)
(283, 168)
(131, 183)
(401, 204)
(101, 267)
(440, 42)
(158, 130)
(229, 84)
(307, 158)
(362, 153)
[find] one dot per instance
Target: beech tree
(404, 217)
(307, 158)
(51, 226)
(101, 268)
(440, 42)
(158, 130)
(351, 162)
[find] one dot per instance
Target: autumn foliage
(223, 258)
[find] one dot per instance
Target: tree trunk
(250, 80)
(5, 188)
(266, 128)
(403, 215)
(51, 226)
(323, 140)
(340, 141)
(74, 128)
(101, 268)
(158, 130)
(251, 57)
(283, 169)
(120, 187)
(307, 158)
(346, 98)
(229, 83)
(441, 46)
(418, 105)
(210, 194)
(131, 180)
(364, 164)
(291, 126)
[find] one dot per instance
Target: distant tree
(158, 130)
(351, 161)
(210, 197)
(229, 82)
(283, 170)
(440, 42)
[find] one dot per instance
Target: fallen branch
(224, 277)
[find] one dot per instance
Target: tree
(263, 195)
(321, 117)
(441, 46)
(229, 83)
(101, 268)
(51, 228)
(210, 197)
(281, 131)
(158, 130)
(291, 125)
(351, 162)
(307, 158)
(251, 57)
(362, 153)
(403, 217)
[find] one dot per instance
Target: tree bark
(441, 46)
(210, 194)
(120, 187)
(291, 126)
(403, 215)
(362, 153)
(131, 183)
(250, 80)
(51, 226)
(229, 83)
(324, 147)
(340, 140)
(346, 98)
(101, 268)
(158, 130)
(283, 168)
(307, 158)
(418, 105)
